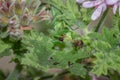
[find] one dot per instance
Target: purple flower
(80, 1)
(111, 2)
(116, 5)
(100, 6)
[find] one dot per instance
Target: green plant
(69, 44)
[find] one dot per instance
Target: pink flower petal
(115, 8)
(89, 4)
(119, 8)
(80, 1)
(98, 11)
(111, 2)
(104, 6)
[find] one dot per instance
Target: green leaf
(106, 49)
(79, 70)
(105, 41)
(40, 49)
(69, 55)
(4, 49)
(64, 11)
(102, 46)
(105, 62)
(101, 66)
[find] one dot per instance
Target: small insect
(61, 38)
(78, 43)
(88, 60)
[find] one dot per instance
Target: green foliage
(106, 46)
(86, 15)
(49, 53)
(59, 46)
(4, 49)
(106, 61)
(66, 12)
(78, 70)
(39, 51)
(68, 56)
(116, 22)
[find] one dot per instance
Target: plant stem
(101, 20)
(54, 76)
(14, 74)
